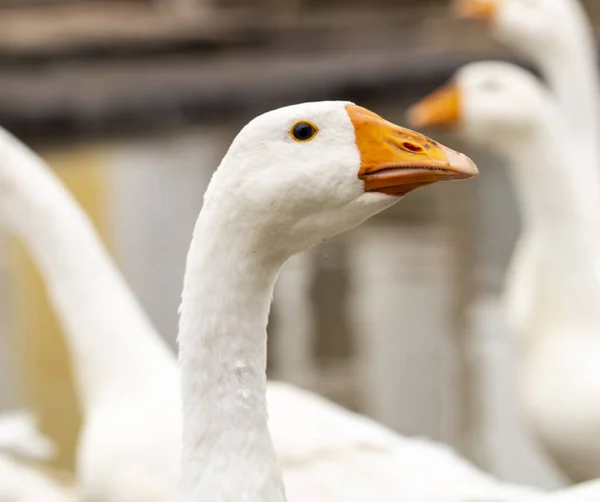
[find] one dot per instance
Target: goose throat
(223, 350)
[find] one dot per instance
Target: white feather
(558, 38)
(507, 109)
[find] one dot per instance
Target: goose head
(300, 174)
(493, 104)
(531, 27)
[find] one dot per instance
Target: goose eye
(303, 131)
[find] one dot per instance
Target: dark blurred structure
(77, 66)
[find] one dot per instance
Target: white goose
(506, 109)
(291, 178)
(557, 37)
(327, 453)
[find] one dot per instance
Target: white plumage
(558, 38)
(337, 455)
(222, 356)
(126, 375)
(508, 110)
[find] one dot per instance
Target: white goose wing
(329, 454)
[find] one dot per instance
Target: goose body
(337, 455)
(506, 109)
(557, 37)
(317, 443)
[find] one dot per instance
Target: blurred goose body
(558, 38)
(507, 109)
(326, 453)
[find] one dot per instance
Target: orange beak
(484, 10)
(395, 160)
(442, 108)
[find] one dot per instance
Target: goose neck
(228, 455)
(557, 184)
(113, 346)
(572, 75)
(559, 197)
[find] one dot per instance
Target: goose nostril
(412, 147)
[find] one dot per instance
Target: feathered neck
(572, 73)
(114, 348)
(559, 193)
(228, 455)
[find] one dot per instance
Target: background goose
(505, 108)
(127, 376)
(318, 443)
(557, 37)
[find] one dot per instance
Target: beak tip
(461, 163)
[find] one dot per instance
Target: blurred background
(134, 102)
